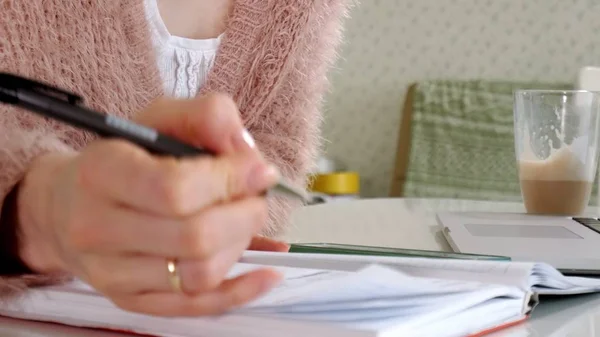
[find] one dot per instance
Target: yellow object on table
(336, 183)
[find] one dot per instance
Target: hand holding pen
(155, 234)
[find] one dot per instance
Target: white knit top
(183, 63)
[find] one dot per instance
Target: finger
(129, 176)
(185, 187)
(114, 229)
(229, 295)
(212, 122)
(222, 226)
(199, 276)
(124, 275)
(260, 243)
(118, 230)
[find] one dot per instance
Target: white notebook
(336, 295)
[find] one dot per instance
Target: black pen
(61, 105)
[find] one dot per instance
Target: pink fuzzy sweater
(273, 61)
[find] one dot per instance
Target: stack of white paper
(336, 296)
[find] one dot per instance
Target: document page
(498, 272)
(372, 293)
(374, 296)
(546, 280)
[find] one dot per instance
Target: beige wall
(391, 43)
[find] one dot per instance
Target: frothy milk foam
(560, 184)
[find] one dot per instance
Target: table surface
(406, 223)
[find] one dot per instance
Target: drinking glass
(556, 145)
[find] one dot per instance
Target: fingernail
(262, 176)
(243, 141)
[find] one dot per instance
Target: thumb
(233, 176)
(212, 122)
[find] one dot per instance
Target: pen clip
(17, 82)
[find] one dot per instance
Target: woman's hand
(112, 215)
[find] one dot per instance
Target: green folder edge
(339, 249)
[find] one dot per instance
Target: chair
(456, 140)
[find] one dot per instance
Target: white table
(406, 223)
(411, 223)
(395, 223)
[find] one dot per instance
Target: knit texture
(273, 60)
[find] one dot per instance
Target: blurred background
(468, 55)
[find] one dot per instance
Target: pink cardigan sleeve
(20, 146)
(22, 139)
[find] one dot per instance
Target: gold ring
(174, 278)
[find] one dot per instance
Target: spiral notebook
(336, 295)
